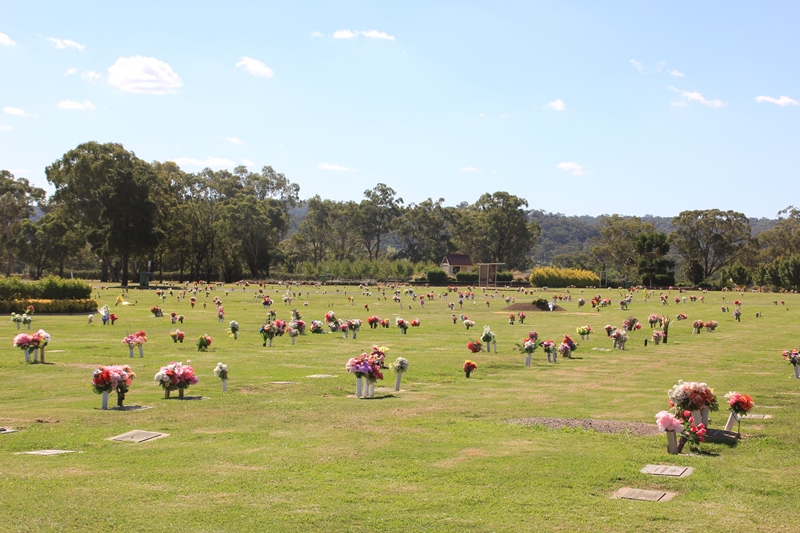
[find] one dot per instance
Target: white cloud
(316, 34)
(694, 96)
(344, 34)
(86, 105)
(66, 43)
(782, 101)
(573, 168)
(676, 73)
(15, 111)
(215, 162)
(335, 167)
(140, 74)
(370, 34)
(375, 34)
(248, 163)
(469, 169)
(645, 70)
(70, 71)
(255, 67)
(557, 105)
(91, 76)
(5, 127)
(6, 40)
(234, 140)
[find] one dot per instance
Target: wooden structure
(454, 263)
(487, 274)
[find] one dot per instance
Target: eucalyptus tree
(711, 239)
(18, 198)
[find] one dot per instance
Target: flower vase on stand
(701, 416)
(370, 389)
(180, 393)
(141, 352)
(672, 443)
(224, 385)
(494, 343)
(797, 372)
(166, 394)
(358, 386)
(397, 381)
(120, 399)
(42, 360)
(105, 400)
(36, 355)
(733, 417)
(294, 338)
(28, 355)
(528, 360)
(130, 351)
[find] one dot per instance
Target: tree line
(119, 215)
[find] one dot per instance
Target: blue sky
(580, 107)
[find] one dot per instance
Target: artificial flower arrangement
(402, 324)
(528, 346)
(654, 320)
(272, 314)
(23, 342)
(739, 404)
(793, 356)
(203, 342)
(365, 366)
(378, 354)
(692, 396)
(385, 323)
(112, 378)
(609, 328)
(474, 346)
(16, 318)
(173, 317)
(658, 336)
(522, 316)
(354, 325)
(374, 322)
(298, 325)
(697, 325)
(566, 347)
(631, 323)
(681, 316)
(113, 318)
(157, 311)
(399, 367)
(135, 340)
(233, 329)
(29, 310)
(469, 367)
(268, 332)
(220, 313)
(469, 323)
(415, 323)
(330, 316)
(711, 325)
(292, 333)
(511, 319)
(192, 301)
(488, 337)
(175, 376)
(620, 337)
(221, 371)
(584, 331)
(280, 326)
(549, 348)
(267, 301)
(177, 336)
(27, 319)
(684, 425)
(316, 327)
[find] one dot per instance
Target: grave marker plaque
(627, 493)
(664, 470)
(138, 435)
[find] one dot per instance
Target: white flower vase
(622, 346)
(796, 371)
(732, 418)
(370, 389)
(346, 334)
(397, 381)
(528, 360)
(672, 443)
(28, 355)
(494, 343)
(130, 351)
(29, 325)
(174, 320)
(269, 344)
(42, 354)
(18, 325)
(293, 338)
(235, 335)
(141, 352)
(105, 400)
(36, 355)
(701, 416)
(615, 344)
(657, 340)
(224, 385)
(358, 386)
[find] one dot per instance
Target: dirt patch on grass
(638, 429)
(530, 307)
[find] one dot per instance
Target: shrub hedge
(563, 277)
(49, 288)
(86, 305)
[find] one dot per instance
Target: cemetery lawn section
(282, 451)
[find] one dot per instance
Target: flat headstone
(720, 436)
(627, 493)
(138, 435)
(320, 376)
(188, 398)
(664, 470)
(46, 452)
(7, 430)
(760, 417)
(130, 408)
(282, 382)
(601, 349)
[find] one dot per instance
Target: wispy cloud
(146, 75)
(234, 140)
(70, 71)
(694, 96)
(66, 43)
(557, 105)
(5, 40)
(5, 127)
(469, 169)
(212, 162)
(677, 73)
(573, 168)
(316, 34)
(646, 70)
(335, 167)
(370, 34)
(15, 111)
(86, 105)
(248, 163)
(254, 67)
(91, 76)
(782, 101)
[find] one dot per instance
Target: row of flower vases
(120, 399)
(487, 347)
(368, 390)
(141, 351)
(32, 356)
(675, 445)
(20, 323)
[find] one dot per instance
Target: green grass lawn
(438, 456)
